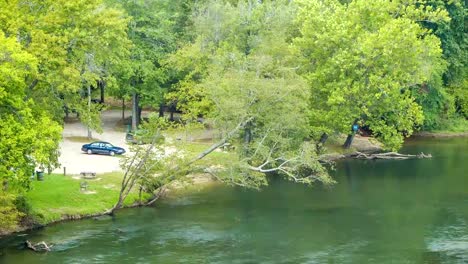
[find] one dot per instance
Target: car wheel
(112, 153)
(90, 152)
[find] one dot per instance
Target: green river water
(413, 211)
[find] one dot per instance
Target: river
(412, 211)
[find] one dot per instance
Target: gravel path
(77, 161)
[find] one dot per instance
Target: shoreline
(427, 134)
(199, 182)
(64, 218)
(363, 144)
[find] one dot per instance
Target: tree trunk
(139, 113)
(102, 85)
(349, 141)
(248, 133)
(134, 111)
(161, 110)
(323, 138)
(350, 138)
(172, 109)
(123, 108)
(90, 136)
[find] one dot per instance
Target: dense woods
(278, 74)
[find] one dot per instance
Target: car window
(95, 145)
(108, 145)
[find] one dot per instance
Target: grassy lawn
(81, 139)
(60, 195)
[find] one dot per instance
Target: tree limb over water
(389, 155)
(38, 247)
(330, 158)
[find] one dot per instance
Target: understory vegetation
(273, 78)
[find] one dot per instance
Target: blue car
(100, 147)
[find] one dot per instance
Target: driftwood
(38, 247)
(389, 155)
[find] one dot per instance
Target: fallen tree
(330, 158)
(388, 156)
(38, 247)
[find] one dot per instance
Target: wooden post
(64, 171)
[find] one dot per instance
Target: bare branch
(222, 141)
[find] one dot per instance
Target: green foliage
(359, 60)
(460, 93)
(453, 35)
(49, 51)
(90, 115)
(444, 97)
(9, 215)
(154, 30)
(251, 83)
(29, 136)
(74, 43)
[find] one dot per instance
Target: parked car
(101, 147)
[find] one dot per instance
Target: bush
(9, 213)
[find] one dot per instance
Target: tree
(445, 96)
(257, 100)
(49, 51)
(253, 85)
(361, 58)
(29, 136)
(77, 44)
(154, 31)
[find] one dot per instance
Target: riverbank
(440, 134)
(61, 198)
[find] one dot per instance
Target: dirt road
(77, 161)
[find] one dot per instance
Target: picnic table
(88, 174)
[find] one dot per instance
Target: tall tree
(49, 51)
(361, 58)
(29, 137)
(445, 97)
(154, 30)
(242, 77)
(76, 44)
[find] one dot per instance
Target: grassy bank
(60, 196)
(453, 126)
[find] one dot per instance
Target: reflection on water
(413, 211)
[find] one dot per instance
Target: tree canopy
(271, 76)
(360, 59)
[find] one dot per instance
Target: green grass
(81, 139)
(59, 195)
